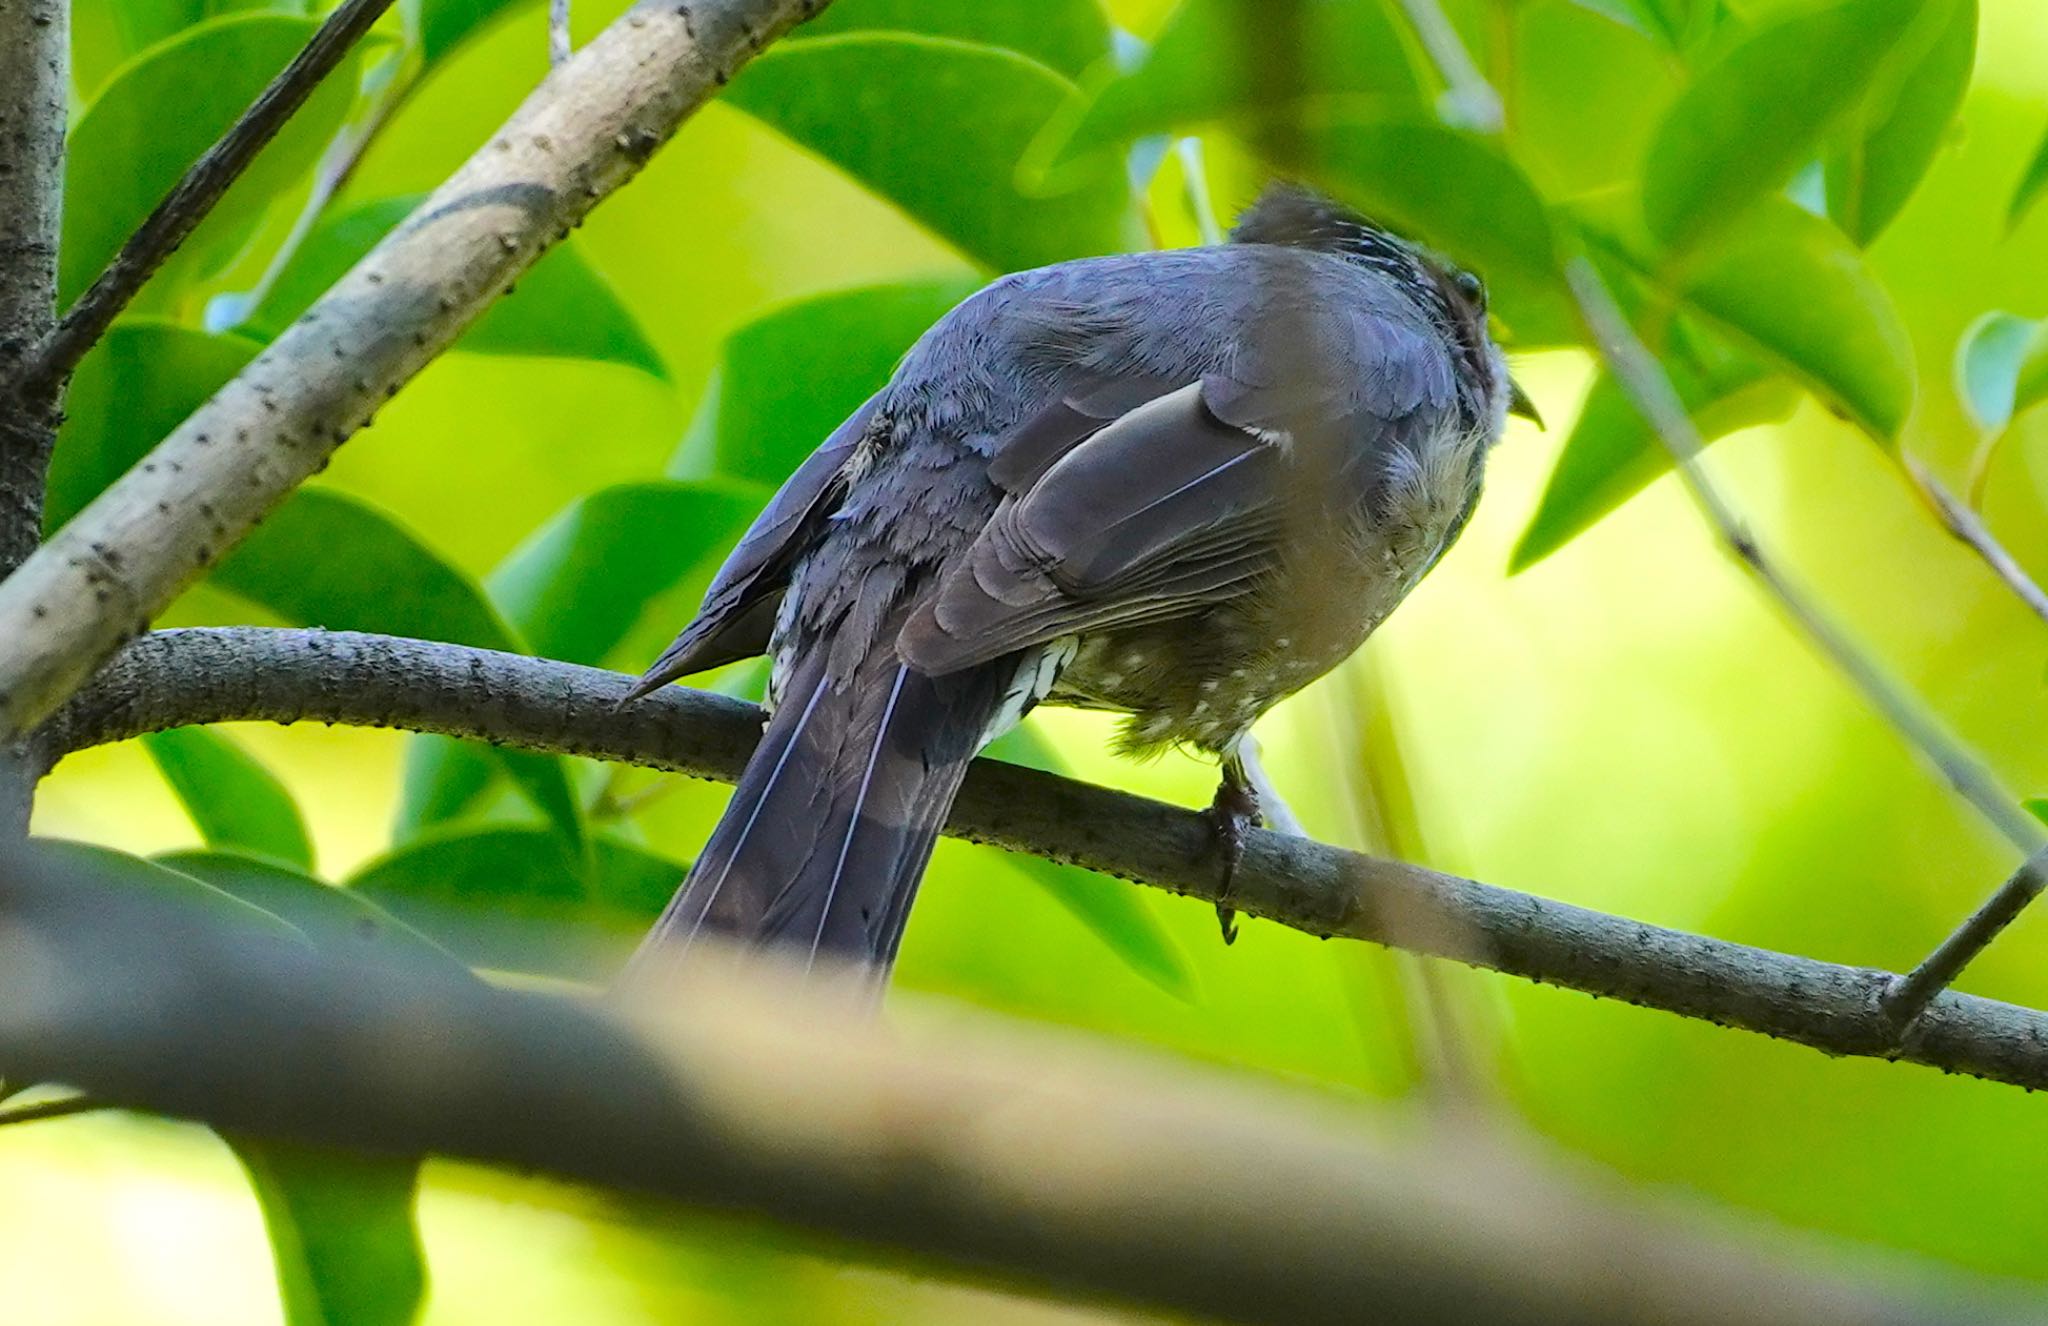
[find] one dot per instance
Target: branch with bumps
(172, 678)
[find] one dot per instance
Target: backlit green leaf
(327, 559)
(231, 797)
(581, 581)
(2033, 181)
(1887, 146)
(1221, 59)
(1113, 912)
(343, 1232)
(1797, 291)
(786, 380)
(508, 897)
(129, 148)
(865, 102)
(1612, 452)
(1064, 35)
(141, 381)
(1753, 117)
(563, 308)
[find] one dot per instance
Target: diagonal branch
(194, 196)
(1024, 1153)
(171, 678)
(587, 130)
(1644, 381)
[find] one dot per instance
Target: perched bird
(1178, 485)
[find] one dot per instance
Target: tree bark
(171, 678)
(587, 130)
(33, 69)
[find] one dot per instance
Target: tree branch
(172, 678)
(1030, 1154)
(33, 69)
(586, 131)
(194, 196)
(1968, 528)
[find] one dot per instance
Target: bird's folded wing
(1166, 508)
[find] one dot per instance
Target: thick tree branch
(194, 196)
(171, 678)
(33, 70)
(1022, 1153)
(587, 130)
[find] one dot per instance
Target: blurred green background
(1626, 725)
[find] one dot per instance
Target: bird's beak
(1519, 403)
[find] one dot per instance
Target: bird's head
(1300, 217)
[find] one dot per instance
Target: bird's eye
(1473, 289)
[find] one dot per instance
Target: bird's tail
(829, 829)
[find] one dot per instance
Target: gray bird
(1177, 485)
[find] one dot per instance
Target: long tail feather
(828, 832)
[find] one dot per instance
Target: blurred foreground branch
(172, 678)
(1024, 1154)
(584, 132)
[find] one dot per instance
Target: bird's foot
(1233, 812)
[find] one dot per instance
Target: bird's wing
(1179, 501)
(739, 608)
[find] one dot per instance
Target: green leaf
(1456, 193)
(1751, 119)
(1064, 35)
(103, 867)
(127, 151)
(1670, 23)
(1988, 362)
(142, 380)
(1220, 59)
(1875, 166)
(331, 917)
(508, 897)
(2031, 185)
(786, 380)
(579, 584)
(2038, 808)
(343, 1231)
(106, 34)
(327, 559)
(563, 308)
(865, 102)
(1793, 288)
(1613, 453)
(1111, 910)
(231, 797)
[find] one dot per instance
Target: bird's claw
(1233, 812)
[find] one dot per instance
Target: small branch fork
(1641, 376)
(193, 198)
(172, 678)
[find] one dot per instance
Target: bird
(1177, 485)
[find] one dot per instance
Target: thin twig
(1968, 527)
(194, 196)
(1906, 1000)
(1644, 381)
(51, 1109)
(173, 678)
(1469, 101)
(558, 33)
